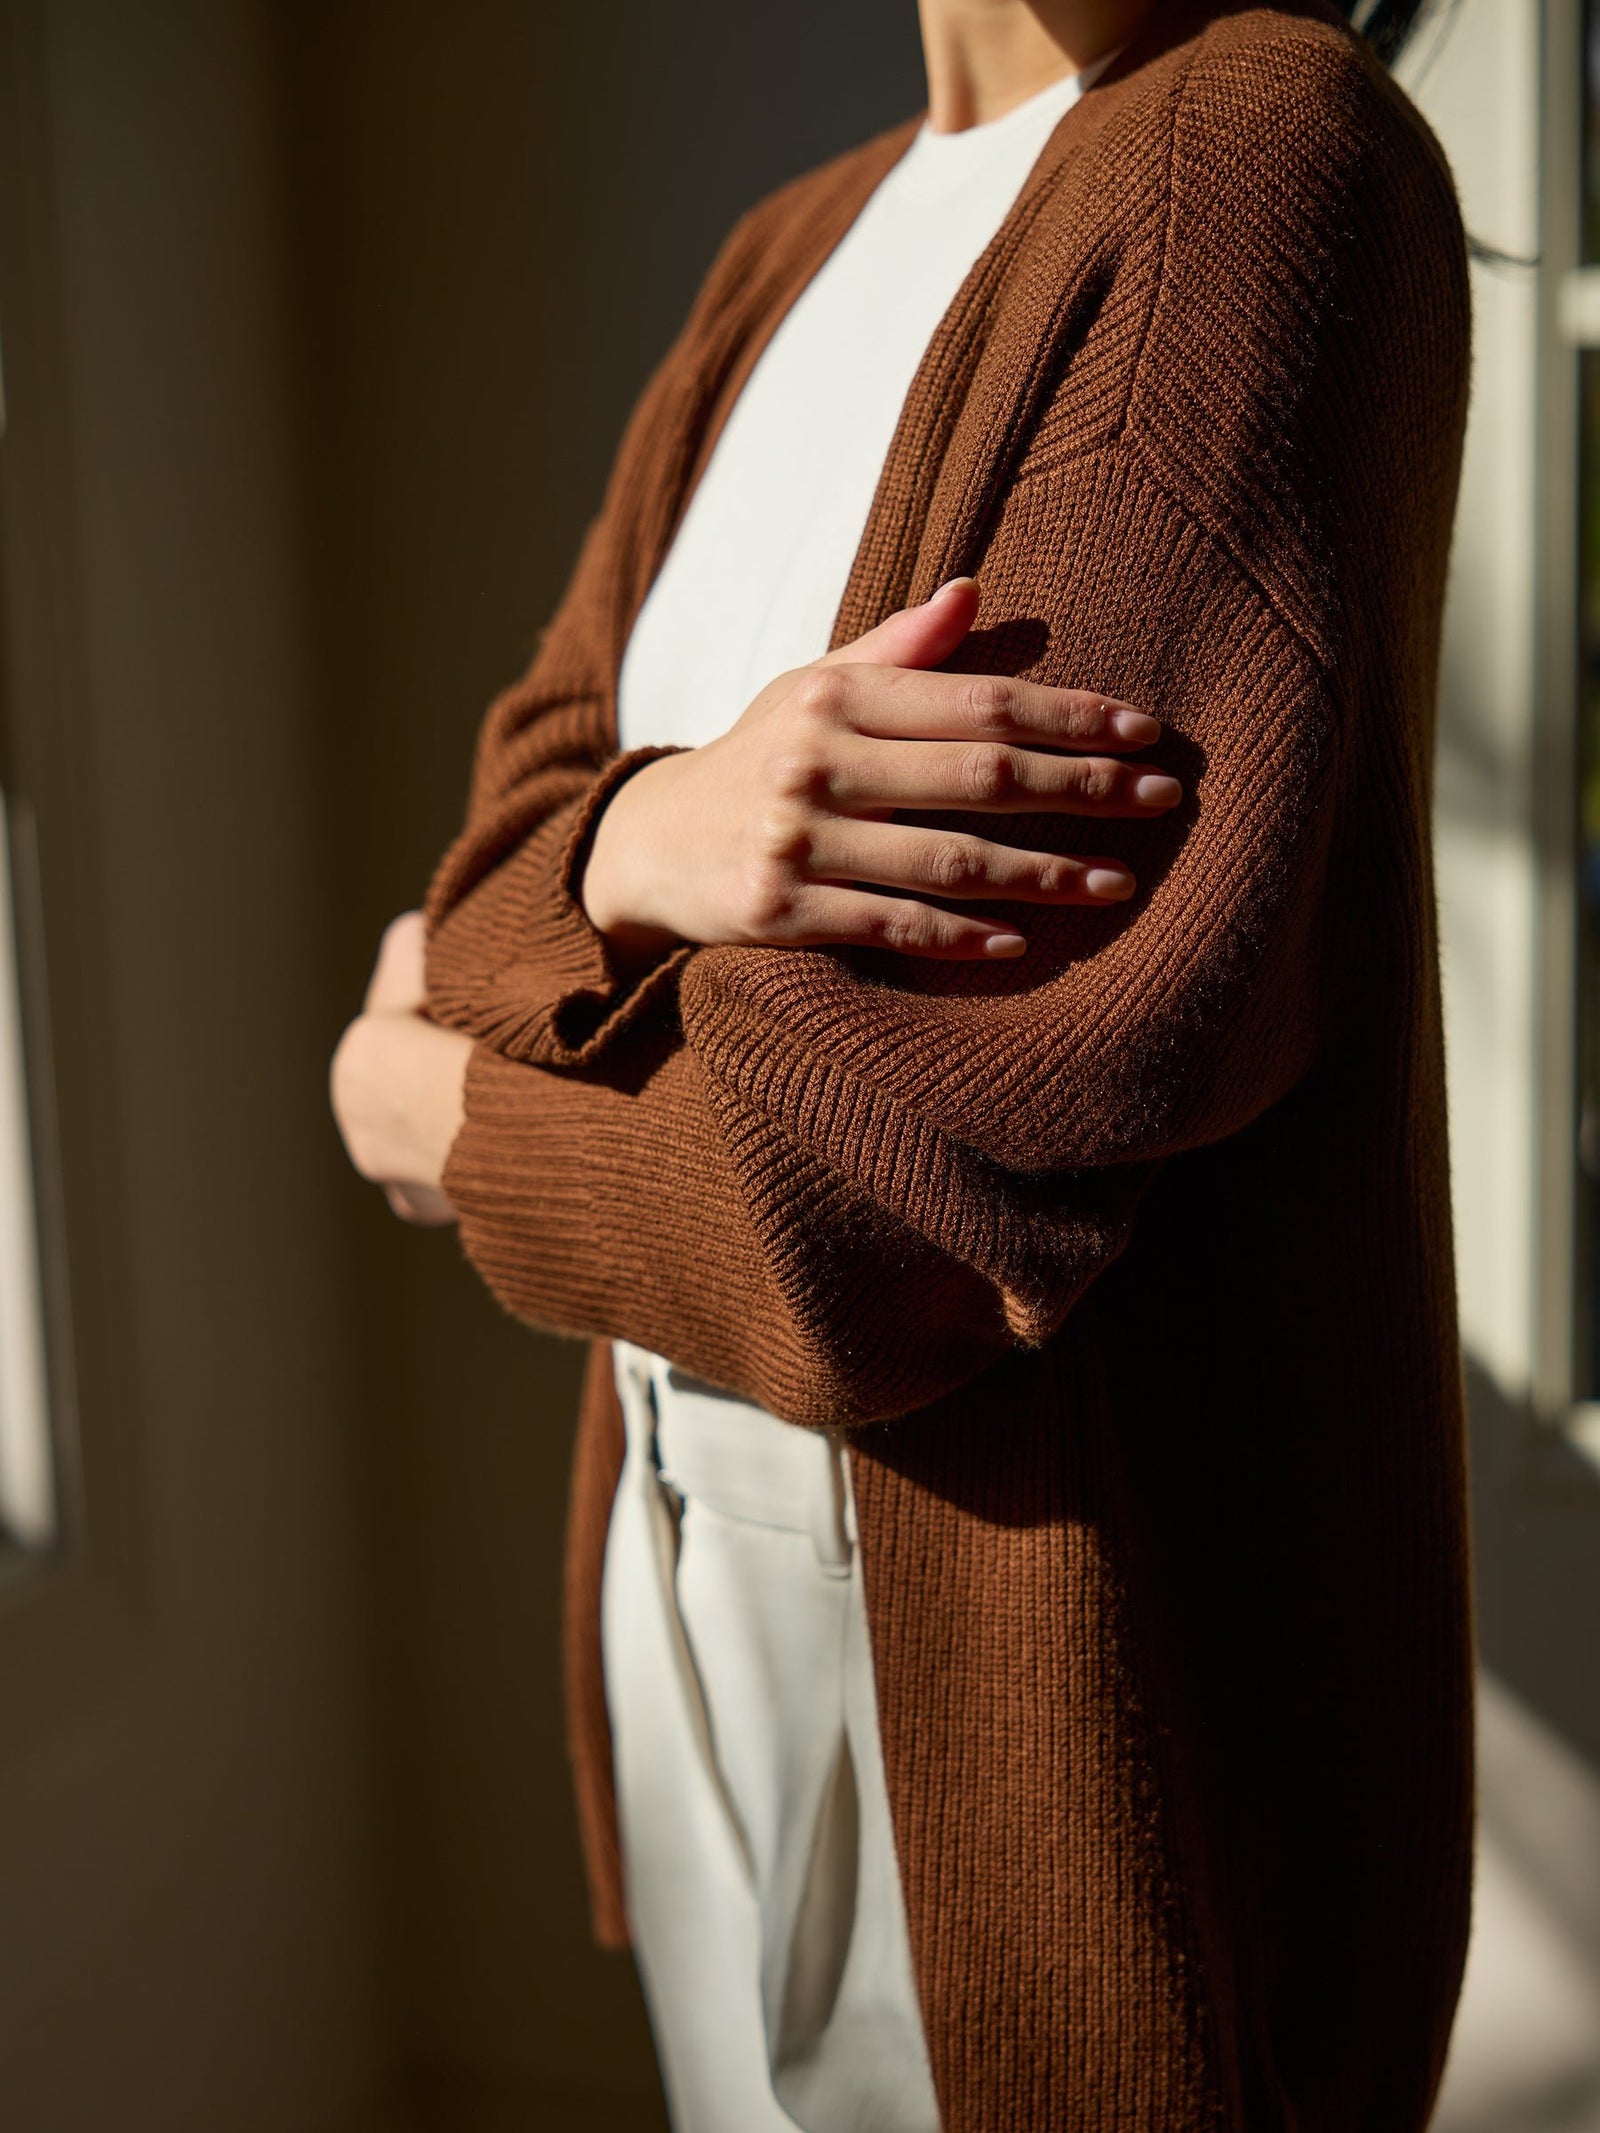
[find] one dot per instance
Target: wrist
(616, 887)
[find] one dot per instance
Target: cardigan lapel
(996, 348)
(947, 465)
(950, 460)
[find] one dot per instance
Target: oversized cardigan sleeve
(843, 1184)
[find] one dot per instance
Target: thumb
(916, 636)
(399, 981)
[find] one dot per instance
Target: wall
(185, 1862)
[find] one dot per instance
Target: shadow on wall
(1526, 2053)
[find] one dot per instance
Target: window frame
(1569, 326)
(78, 1613)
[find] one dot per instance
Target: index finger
(903, 703)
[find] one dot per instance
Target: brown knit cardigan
(1127, 1265)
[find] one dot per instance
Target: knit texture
(1127, 1264)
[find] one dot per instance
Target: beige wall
(185, 1853)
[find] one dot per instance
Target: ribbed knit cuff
(602, 997)
(555, 996)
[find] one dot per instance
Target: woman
(984, 1091)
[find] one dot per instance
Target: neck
(984, 57)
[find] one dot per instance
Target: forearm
(645, 1207)
(843, 1188)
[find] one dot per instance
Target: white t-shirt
(753, 581)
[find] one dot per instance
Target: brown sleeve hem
(549, 992)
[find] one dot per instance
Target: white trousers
(762, 1883)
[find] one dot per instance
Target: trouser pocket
(666, 1510)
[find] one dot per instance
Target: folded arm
(841, 1182)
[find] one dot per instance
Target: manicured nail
(1004, 944)
(1154, 791)
(1138, 726)
(1109, 883)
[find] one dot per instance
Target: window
(1567, 1377)
(27, 1459)
(70, 1583)
(28, 1521)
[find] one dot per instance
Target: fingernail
(1157, 792)
(1004, 944)
(965, 579)
(1111, 883)
(1135, 726)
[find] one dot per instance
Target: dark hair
(1385, 24)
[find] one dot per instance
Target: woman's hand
(764, 834)
(397, 1082)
